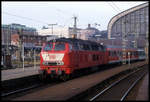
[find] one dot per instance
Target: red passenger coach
(132, 54)
(114, 54)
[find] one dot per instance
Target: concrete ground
(18, 72)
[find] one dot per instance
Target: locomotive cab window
(59, 46)
(70, 47)
(48, 47)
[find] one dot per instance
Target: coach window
(100, 48)
(137, 53)
(126, 54)
(97, 57)
(76, 47)
(88, 47)
(96, 47)
(92, 47)
(133, 53)
(81, 47)
(109, 53)
(117, 53)
(84, 47)
(130, 53)
(114, 53)
(120, 53)
(94, 57)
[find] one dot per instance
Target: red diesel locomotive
(62, 57)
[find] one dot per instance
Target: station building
(132, 25)
(8, 30)
(58, 32)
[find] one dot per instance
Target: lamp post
(52, 26)
(23, 56)
(20, 46)
(8, 55)
(129, 58)
(123, 41)
(34, 60)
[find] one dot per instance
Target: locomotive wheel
(64, 77)
(43, 76)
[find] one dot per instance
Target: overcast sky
(38, 14)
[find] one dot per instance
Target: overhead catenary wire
(116, 6)
(27, 18)
(113, 7)
(35, 20)
(64, 12)
(24, 17)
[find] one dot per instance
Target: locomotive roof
(72, 40)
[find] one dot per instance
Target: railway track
(120, 89)
(21, 91)
(38, 85)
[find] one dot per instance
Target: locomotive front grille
(53, 63)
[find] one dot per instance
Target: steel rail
(132, 87)
(20, 90)
(113, 84)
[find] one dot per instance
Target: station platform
(18, 72)
(143, 91)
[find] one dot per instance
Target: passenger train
(61, 58)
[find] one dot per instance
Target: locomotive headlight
(45, 63)
(60, 63)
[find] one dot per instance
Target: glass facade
(134, 25)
